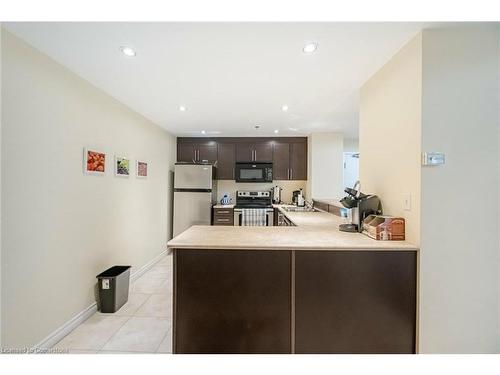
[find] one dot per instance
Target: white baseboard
(79, 318)
(141, 271)
(66, 328)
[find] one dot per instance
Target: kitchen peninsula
(301, 289)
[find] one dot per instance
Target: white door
(351, 168)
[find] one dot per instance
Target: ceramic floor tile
(135, 300)
(166, 344)
(165, 288)
(159, 271)
(93, 333)
(139, 335)
(158, 305)
(146, 284)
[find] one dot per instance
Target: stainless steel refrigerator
(195, 192)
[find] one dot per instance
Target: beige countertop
(330, 201)
(224, 206)
(313, 231)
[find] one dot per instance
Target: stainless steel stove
(253, 208)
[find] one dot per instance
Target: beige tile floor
(142, 325)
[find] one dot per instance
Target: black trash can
(113, 288)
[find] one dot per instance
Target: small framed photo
(141, 169)
(94, 162)
(122, 166)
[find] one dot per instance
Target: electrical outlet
(406, 201)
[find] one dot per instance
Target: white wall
(441, 93)
(325, 165)
(64, 227)
(389, 135)
(460, 241)
(351, 144)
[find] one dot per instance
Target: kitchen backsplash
(230, 188)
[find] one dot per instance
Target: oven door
(238, 215)
(254, 172)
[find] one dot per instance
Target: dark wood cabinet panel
(298, 161)
(244, 152)
(225, 161)
(186, 152)
(281, 161)
(232, 301)
(263, 151)
(290, 161)
(355, 301)
(207, 152)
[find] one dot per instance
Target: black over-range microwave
(254, 172)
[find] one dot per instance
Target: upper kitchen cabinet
(255, 150)
(281, 161)
(290, 159)
(196, 151)
(225, 161)
(298, 160)
(288, 154)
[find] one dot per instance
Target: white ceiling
(230, 76)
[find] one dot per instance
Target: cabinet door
(232, 301)
(355, 302)
(298, 161)
(244, 152)
(186, 152)
(207, 152)
(281, 161)
(225, 161)
(263, 151)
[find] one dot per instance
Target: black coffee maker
(360, 206)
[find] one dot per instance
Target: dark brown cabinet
(290, 160)
(281, 161)
(225, 161)
(355, 301)
(261, 151)
(197, 152)
(302, 301)
(232, 301)
(288, 154)
(298, 161)
(186, 152)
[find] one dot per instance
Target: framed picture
(141, 169)
(94, 162)
(122, 166)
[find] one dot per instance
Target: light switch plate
(432, 158)
(406, 199)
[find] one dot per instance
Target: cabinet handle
(291, 174)
(223, 220)
(222, 211)
(255, 155)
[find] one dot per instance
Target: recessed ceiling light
(203, 132)
(310, 47)
(182, 108)
(294, 129)
(128, 51)
(276, 131)
(284, 108)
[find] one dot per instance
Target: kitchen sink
(300, 209)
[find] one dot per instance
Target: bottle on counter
(300, 199)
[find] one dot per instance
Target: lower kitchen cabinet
(303, 301)
(355, 302)
(232, 301)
